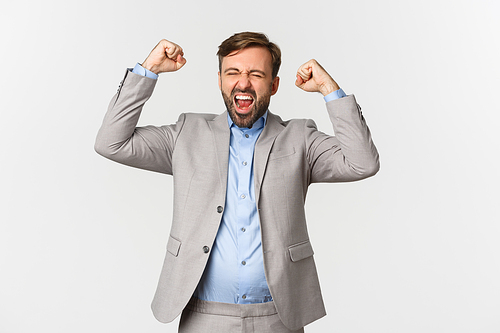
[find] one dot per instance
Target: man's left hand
(312, 77)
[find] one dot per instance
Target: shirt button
(244, 163)
(243, 262)
(246, 135)
(219, 209)
(206, 249)
(244, 296)
(243, 196)
(243, 229)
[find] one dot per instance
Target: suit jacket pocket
(300, 251)
(173, 246)
(281, 153)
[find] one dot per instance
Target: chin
(243, 120)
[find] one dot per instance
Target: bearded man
(238, 255)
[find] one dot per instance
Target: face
(247, 85)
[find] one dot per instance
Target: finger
(178, 52)
(305, 72)
(172, 49)
(172, 52)
(180, 61)
(304, 76)
(299, 81)
(166, 45)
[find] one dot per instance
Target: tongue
(244, 103)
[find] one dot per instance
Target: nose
(244, 81)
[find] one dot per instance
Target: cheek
(227, 86)
(263, 89)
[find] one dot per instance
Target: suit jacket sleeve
(349, 155)
(120, 140)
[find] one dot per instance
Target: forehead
(254, 57)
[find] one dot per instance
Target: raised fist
(165, 57)
(314, 78)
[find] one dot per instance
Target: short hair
(242, 40)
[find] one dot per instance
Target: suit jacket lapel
(263, 148)
(221, 133)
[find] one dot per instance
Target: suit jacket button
(206, 249)
(219, 209)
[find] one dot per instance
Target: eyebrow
(251, 71)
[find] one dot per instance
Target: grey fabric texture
(211, 317)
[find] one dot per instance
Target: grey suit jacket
(289, 155)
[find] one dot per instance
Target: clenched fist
(312, 77)
(165, 57)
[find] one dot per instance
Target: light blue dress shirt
(235, 269)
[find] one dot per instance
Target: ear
(218, 79)
(274, 86)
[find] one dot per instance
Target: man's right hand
(165, 57)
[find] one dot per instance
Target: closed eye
(258, 74)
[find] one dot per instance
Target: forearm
(350, 155)
(120, 140)
(354, 137)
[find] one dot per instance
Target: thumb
(299, 81)
(180, 61)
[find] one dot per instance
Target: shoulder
(293, 124)
(194, 117)
(200, 116)
(197, 119)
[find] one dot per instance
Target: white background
(414, 249)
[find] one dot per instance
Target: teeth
(244, 97)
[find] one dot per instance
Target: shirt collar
(260, 123)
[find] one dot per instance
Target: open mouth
(243, 102)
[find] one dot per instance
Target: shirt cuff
(138, 69)
(334, 95)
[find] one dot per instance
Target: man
(238, 256)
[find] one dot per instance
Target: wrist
(150, 67)
(328, 88)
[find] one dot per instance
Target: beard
(259, 107)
